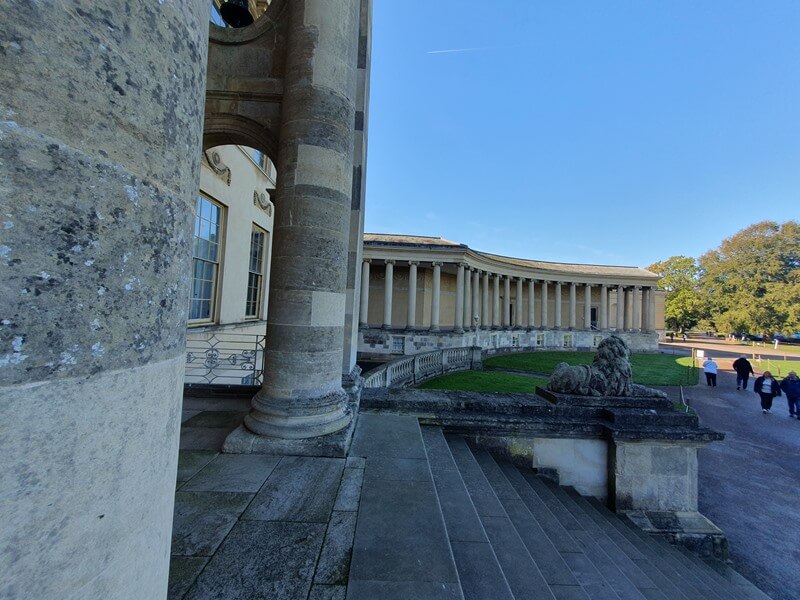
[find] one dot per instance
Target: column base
(458, 330)
(384, 326)
(434, 328)
(333, 445)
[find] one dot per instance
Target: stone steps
(440, 518)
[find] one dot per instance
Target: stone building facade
(464, 297)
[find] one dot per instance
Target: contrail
(461, 50)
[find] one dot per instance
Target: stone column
(587, 306)
(363, 316)
(531, 303)
(506, 302)
(388, 292)
(558, 285)
(476, 283)
(485, 320)
(467, 299)
(573, 305)
(100, 138)
(651, 308)
(302, 395)
(645, 306)
(637, 308)
(620, 308)
(459, 316)
(603, 307)
(628, 322)
(518, 305)
(496, 303)
(411, 319)
(545, 302)
(436, 295)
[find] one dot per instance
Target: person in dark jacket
(767, 387)
(743, 370)
(791, 387)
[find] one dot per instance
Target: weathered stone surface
(191, 461)
(233, 473)
(387, 435)
(349, 490)
(299, 489)
(608, 375)
(334, 560)
(203, 519)
(328, 592)
(403, 590)
(216, 418)
(183, 570)
(262, 560)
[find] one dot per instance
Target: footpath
(750, 483)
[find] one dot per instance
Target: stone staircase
(439, 518)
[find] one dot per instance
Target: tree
(684, 305)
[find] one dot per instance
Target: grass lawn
(484, 381)
(648, 369)
(779, 368)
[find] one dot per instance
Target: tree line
(749, 284)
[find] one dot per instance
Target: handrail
(410, 370)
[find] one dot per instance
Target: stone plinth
(603, 401)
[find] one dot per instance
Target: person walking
(767, 387)
(710, 368)
(743, 370)
(791, 387)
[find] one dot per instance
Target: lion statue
(608, 375)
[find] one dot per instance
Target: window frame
(259, 301)
(217, 281)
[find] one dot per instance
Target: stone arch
(263, 24)
(219, 130)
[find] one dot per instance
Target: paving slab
(480, 491)
(203, 519)
(403, 590)
(183, 570)
(215, 403)
(349, 493)
(203, 438)
(216, 418)
(387, 435)
(300, 488)
(233, 473)
(190, 462)
(400, 535)
(188, 414)
(328, 592)
(262, 559)
(390, 468)
(462, 521)
(334, 560)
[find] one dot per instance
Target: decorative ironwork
(227, 358)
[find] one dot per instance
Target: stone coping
(604, 401)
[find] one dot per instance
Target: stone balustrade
(415, 369)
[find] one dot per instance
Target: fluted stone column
(506, 302)
(587, 306)
(436, 293)
(363, 316)
(476, 282)
(388, 292)
(467, 299)
(604, 307)
(485, 320)
(637, 308)
(558, 285)
(628, 323)
(545, 302)
(518, 312)
(573, 305)
(620, 308)
(459, 312)
(100, 138)
(531, 303)
(496, 303)
(411, 316)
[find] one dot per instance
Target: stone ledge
(604, 401)
(690, 529)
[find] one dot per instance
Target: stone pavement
(750, 483)
(412, 513)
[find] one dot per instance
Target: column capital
(637, 287)
(366, 260)
(436, 264)
(604, 285)
(390, 261)
(413, 262)
(573, 284)
(463, 265)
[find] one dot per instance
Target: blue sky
(615, 132)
